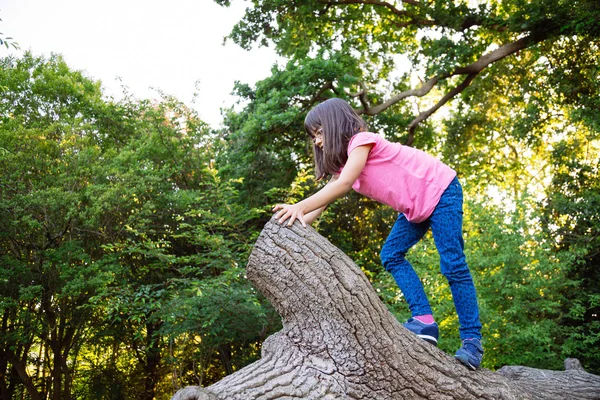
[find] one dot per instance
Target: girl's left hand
(289, 211)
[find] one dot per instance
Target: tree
(451, 43)
(520, 73)
(110, 211)
(48, 271)
(339, 341)
(522, 77)
(571, 217)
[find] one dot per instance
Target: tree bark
(20, 366)
(340, 342)
(152, 362)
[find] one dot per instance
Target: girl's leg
(403, 236)
(446, 226)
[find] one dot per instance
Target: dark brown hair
(338, 122)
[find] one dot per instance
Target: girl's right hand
(289, 211)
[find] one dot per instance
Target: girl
(421, 188)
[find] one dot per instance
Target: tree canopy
(448, 44)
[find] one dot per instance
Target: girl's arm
(334, 189)
(310, 217)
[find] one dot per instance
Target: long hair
(338, 122)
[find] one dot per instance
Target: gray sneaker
(470, 353)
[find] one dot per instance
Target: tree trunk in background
(20, 366)
(339, 341)
(225, 356)
(56, 375)
(4, 393)
(153, 358)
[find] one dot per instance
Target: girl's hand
(289, 211)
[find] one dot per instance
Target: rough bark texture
(340, 342)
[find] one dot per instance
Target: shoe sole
(429, 339)
(465, 362)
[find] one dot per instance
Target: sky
(175, 46)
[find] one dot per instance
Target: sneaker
(470, 353)
(427, 332)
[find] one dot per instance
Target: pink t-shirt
(409, 180)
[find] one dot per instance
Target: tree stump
(339, 341)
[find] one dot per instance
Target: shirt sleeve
(361, 139)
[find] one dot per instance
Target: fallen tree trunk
(340, 342)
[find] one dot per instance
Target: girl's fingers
(287, 216)
(281, 207)
(286, 213)
(282, 216)
(301, 219)
(281, 212)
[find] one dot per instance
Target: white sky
(146, 43)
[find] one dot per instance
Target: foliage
(112, 213)
(521, 284)
(8, 41)
(265, 141)
(49, 270)
(572, 218)
(447, 45)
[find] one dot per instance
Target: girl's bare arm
(313, 215)
(334, 189)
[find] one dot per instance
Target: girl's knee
(391, 257)
(457, 273)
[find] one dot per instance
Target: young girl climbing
(424, 191)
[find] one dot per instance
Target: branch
(549, 384)
(20, 368)
(496, 55)
(339, 341)
(471, 70)
(413, 19)
(426, 114)
(326, 85)
(385, 4)
(362, 97)
(420, 92)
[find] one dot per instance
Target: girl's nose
(319, 141)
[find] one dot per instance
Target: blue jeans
(446, 226)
